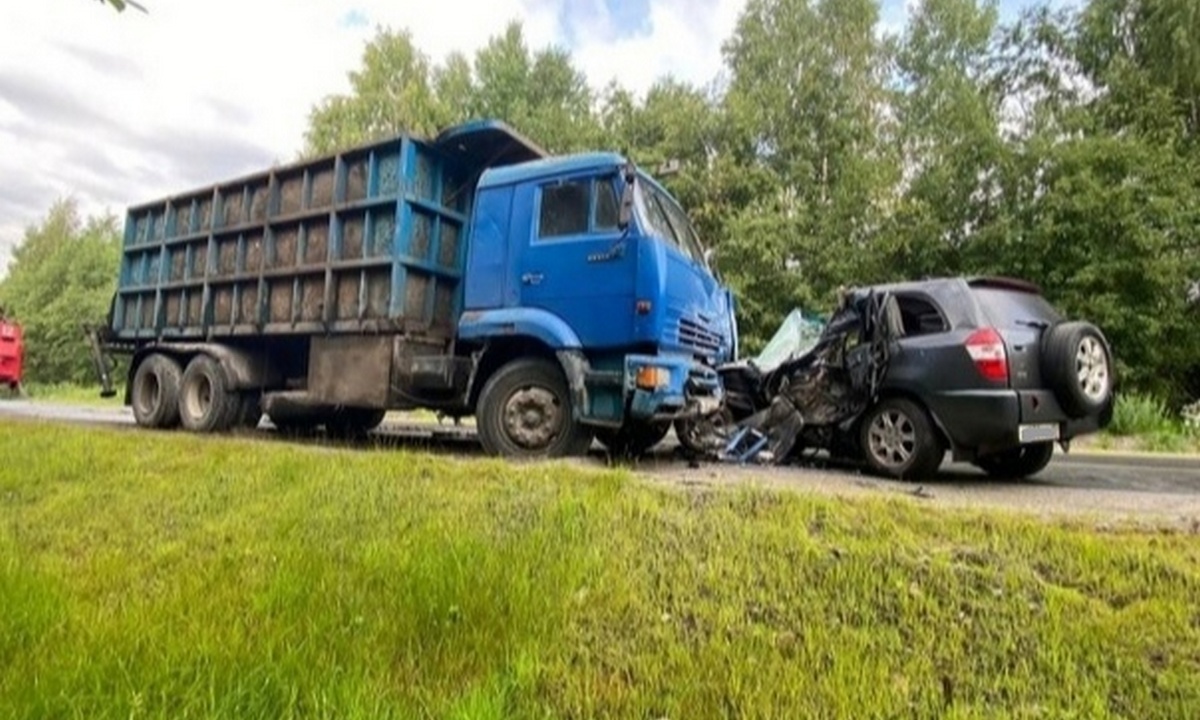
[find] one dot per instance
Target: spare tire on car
(1077, 365)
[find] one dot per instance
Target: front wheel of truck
(524, 411)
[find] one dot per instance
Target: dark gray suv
(984, 368)
(988, 369)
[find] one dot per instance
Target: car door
(577, 263)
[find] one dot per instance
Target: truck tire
(634, 438)
(524, 411)
(353, 423)
(899, 440)
(205, 401)
(1077, 364)
(1019, 462)
(155, 392)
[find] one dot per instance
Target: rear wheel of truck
(1019, 462)
(155, 392)
(524, 411)
(899, 440)
(205, 402)
(633, 439)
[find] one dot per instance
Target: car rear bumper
(979, 422)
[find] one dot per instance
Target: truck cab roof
(550, 167)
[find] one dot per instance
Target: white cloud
(120, 108)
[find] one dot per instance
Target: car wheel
(205, 402)
(524, 411)
(1077, 364)
(633, 438)
(1019, 462)
(898, 440)
(154, 394)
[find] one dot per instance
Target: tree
(63, 272)
(807, 103)
(397, 89)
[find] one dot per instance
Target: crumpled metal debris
(802, 400)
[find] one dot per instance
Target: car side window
(920, 316)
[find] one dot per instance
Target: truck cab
(592, 258)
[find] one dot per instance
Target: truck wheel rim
(199, 397)
(532, 417)
(892, 438)
(1091, 368)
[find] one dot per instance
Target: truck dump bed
(369, 240)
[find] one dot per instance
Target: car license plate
(1038, 433)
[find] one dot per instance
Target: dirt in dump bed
(322, 189)
(232, 202)
(312, 298)
(347, 294)
(259, 201)
(316, 245)
(356, 180)
(352, 237)
(291, 193)
(286, 239)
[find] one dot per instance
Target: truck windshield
(663, 217)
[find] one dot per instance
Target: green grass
(1146, 423)
(72, 394)
(158, 575)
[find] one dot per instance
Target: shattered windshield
(798, 334)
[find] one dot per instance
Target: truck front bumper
(662, 387)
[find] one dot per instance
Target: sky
(115, 109)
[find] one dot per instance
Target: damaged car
(984, 368)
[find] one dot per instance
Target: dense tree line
(1061, 147)
(62, 275)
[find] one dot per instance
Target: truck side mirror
(626, 212)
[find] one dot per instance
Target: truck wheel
(353, 423)
(524, 411)
(155, 392)
(205, 402)
(898, 440)
(1019, 462)
(633, 438)
(1078, 365)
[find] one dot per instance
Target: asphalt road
(1130, 485)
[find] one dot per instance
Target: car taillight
(986, 349)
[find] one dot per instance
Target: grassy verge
(72, 394)
(1145, 423)
(158, 575)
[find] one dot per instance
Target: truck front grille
(694, 335)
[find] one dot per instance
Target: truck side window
(564, 209)
(607, 212)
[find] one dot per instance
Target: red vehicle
(12, 354)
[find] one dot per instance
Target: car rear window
(1008, 308)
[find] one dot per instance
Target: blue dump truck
(556, 299)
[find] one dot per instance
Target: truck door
(577, 263)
